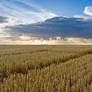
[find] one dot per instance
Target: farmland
(45, 68)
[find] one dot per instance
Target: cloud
(68, 27)
(82, 17)
(3, 19)
(17, 12)
(24, 15)
(74, 32)
(88, 10)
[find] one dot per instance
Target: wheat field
(45, 68)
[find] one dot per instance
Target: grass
(45, 68)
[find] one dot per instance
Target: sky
(16, 12)
(65, 7)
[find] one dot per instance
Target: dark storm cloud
(58, 26)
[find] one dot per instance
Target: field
(45, 68)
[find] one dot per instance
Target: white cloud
(24, 15)
(83, 18)
(79, 16)
(88, 10)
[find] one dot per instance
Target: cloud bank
(24, 40)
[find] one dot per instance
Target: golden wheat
(45, 68)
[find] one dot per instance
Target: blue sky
(65, 7)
